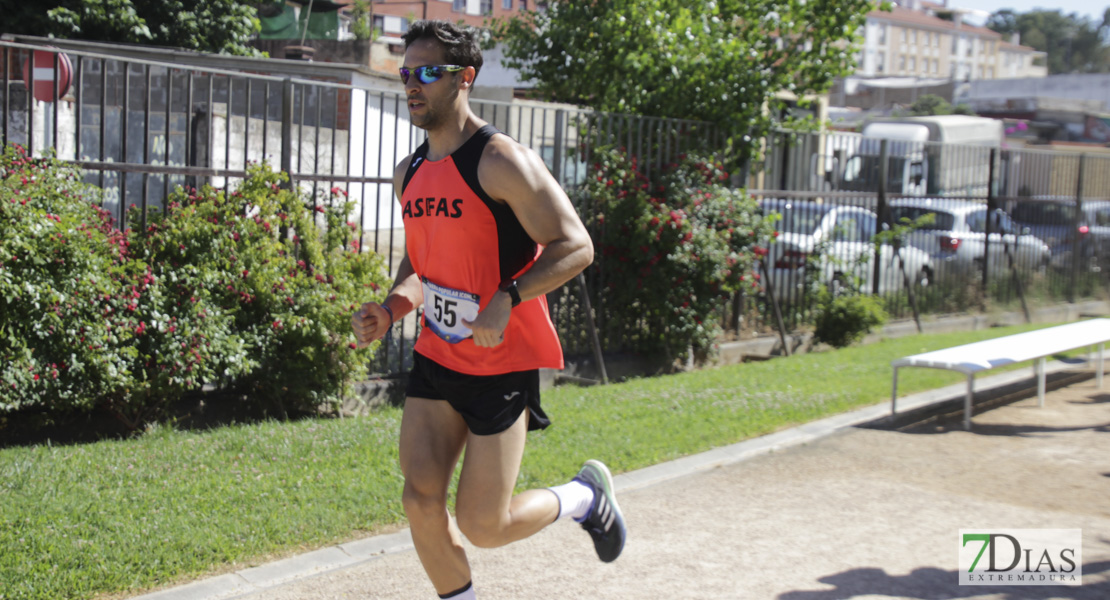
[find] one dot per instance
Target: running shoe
(604, 522)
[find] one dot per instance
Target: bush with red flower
(250, 291)
(60, 262)
(671, 249)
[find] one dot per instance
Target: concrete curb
(254, 579)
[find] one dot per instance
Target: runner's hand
(371, 322)
(488, 328)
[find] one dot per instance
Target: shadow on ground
(930, 582)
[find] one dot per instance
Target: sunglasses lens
(429, 74)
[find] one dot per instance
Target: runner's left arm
(513, 174)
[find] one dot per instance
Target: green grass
(123, 516)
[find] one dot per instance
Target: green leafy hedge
(250, 291)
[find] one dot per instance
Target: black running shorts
(489, 404)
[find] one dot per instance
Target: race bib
(445, 309)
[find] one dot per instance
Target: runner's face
(430, 104)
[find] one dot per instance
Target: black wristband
(509, 287)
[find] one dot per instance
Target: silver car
(957, 239)
(837, 243)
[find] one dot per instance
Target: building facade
(913, 40)
(321, 30)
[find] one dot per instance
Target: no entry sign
(52, 71)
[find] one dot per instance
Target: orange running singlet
(462, 245)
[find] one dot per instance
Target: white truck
(943, 155)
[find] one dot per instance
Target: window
(882, 34)
(903, 35)
(942, 221)
(854, 227)
(507, 4)
(796, 219)
(880, 66)
(1045, 213)
(486, 8)
(913, 64)
(390, 25)
(977, 222)
(458, 5)
(955, 45)
(902, 63)
(913, 37)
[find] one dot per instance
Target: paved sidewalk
(841, 508)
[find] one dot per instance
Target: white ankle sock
(575, 499)
(465, 593)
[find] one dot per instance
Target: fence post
(1077, 241)
(990, 211)
(560, 145)
(287, 129)
(880, 212)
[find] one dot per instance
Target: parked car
(957, 238)
(842, 237)
(1054, 221)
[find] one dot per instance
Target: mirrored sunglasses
(428, 73)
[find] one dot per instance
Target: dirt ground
(862, 513)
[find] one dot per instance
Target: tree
(224, 26)
(362, 20)
(725, 61)
(1073, 44)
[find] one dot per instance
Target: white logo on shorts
(509, 397)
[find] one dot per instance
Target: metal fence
(140, 128)
(993, 225)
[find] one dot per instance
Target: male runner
(488, 233)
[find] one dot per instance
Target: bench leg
(1040, 382)
(1100, 364)
(967, 402)
(894, 394)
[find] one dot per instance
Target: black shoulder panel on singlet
(417, 158)
(515, 246)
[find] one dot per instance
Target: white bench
(970, 359)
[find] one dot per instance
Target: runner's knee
(483, 528)
(423, 503)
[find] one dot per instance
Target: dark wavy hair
(461, 43)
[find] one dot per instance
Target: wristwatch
(509, 287)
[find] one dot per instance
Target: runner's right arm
(371, 322)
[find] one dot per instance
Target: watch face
(510, 288)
